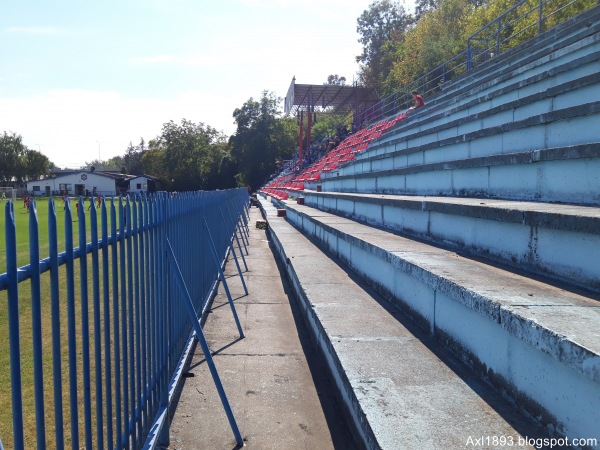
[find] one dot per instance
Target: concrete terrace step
(559, 54)
(563, 63)
(537, 343)
(563, 35)
(400, 389)
(567, 174)
(555, 240)
(539, 94)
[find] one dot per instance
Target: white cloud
(72, 126)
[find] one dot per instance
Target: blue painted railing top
(96, 334)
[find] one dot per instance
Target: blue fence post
(541, 17)
(137, 305)
(237, 264)
(131, 420)
(56, 334)
(107, 325)
(13, 326)
(123, 322)
(36, 324)
(235, 235)
(223, 280)
(97, 318)
(116, 324)
(162, 316)
(206, 351)
(70, 263)
(85, 325)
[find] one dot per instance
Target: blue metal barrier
(112, 311)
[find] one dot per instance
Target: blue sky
(79, 80)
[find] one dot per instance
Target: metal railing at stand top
(97, 336)
(525, 20)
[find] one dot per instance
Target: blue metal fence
(102, 328)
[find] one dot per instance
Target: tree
(11, 152)
(384, 21)
(336, 80)
(18, 163)
(36, 165)
(185, 156)
(132, 160)
(262, 139)
(437, 37)
(422, 6)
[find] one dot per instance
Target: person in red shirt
(418, 101)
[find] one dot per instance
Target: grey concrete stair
(567, 174)
(537, 343)
(523, 131)
(559, 57)
(400, 389)
(553, 240)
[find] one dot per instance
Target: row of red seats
(344, 152)
(275, 193)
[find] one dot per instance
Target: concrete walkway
(272, 377)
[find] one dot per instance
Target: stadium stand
(477, 217)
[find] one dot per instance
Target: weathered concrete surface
(399, 388)
(534, 340)
(279, 402)
(552, 240)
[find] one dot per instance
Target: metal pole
(206, 350)
(237, 264)
(223, 280)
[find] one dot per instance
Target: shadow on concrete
(500, 402)
(330, 403)
(215, 352)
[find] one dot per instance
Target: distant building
(142, 183)
(81, 182)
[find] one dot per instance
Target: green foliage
(328, 123)
(438, 36)
(385, 21)
(185, 157)
(399, 48)
(336, 80)
(262, 139)
(132, 160)
(18, 163)
(116, 162)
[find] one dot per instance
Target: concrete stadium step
(556, 89)
(562, 67)
(535, 342)
(552, 240)
(553, 44)
(567, 174)
(561, 36)
(532, 68)
(401, 390)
